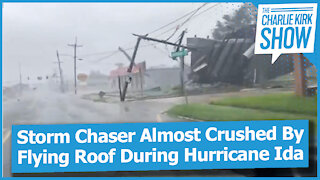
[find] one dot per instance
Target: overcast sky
(32, 32)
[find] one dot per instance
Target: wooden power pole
(183, 91)
(60, 72)
(300, 75)
(125, 87)
(140, 71)
(178, 46)
(75, 45)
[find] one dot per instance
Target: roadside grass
(210, 112)
(280, 102)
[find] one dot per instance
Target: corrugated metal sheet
(226, 62)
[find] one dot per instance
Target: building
(142, 79)
(164, 78)
(121, 75)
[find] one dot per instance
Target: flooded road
(44, 106)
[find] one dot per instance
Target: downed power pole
(178, 46)
(132, 59)
(123, 94)
(126, 54)
(140, 71)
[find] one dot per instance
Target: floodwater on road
(45, 106)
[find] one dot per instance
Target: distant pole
(75, 63)
(60, 71)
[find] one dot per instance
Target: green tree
(243, 17)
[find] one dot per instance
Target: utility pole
(141, 81)
(300, 75)
(183, 91)
(119, 84)
(181, 58)
(60, 71)
(130, 69)
(129, 58)
(126, 54)
(75, 45)
(140, 70)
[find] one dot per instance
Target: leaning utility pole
(60, 71)
(119, 85)
(140, 71)
(123, 97)
(126, 54)
(75, 45)
(179, 45)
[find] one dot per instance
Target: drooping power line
(192, 14)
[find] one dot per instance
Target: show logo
(285, 29)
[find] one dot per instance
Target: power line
(112, 53)
(185, 15)
(154, 45)
(184, 22)
(193, 14)
(196, 15)
(97, 53)
(107, 56)
(215, 5)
